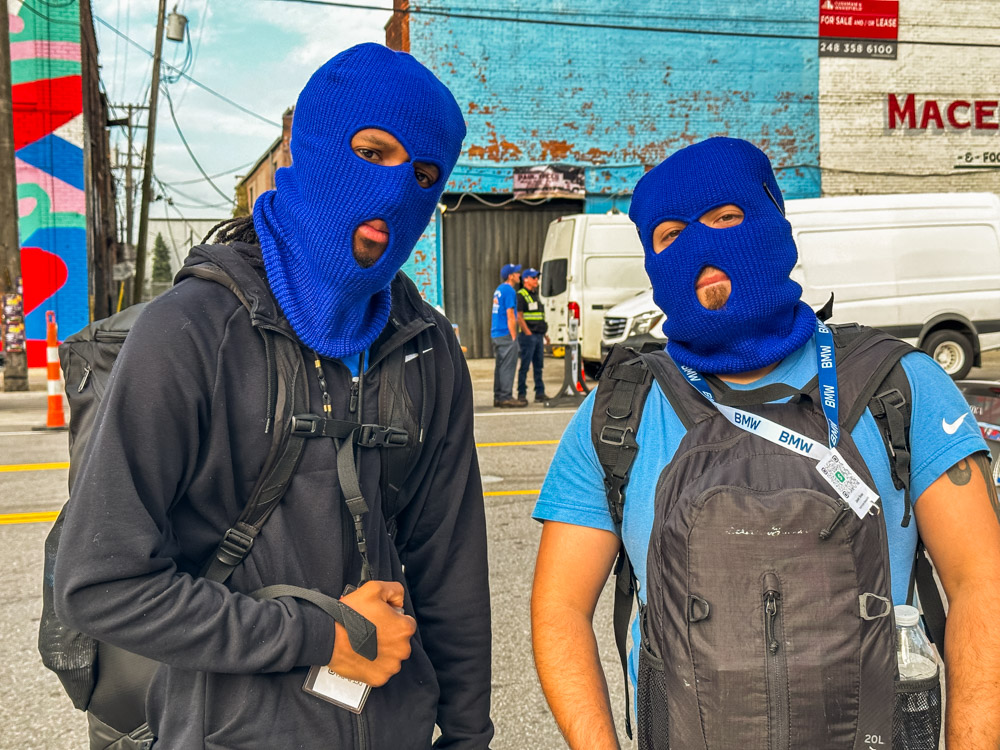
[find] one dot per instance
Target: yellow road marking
(35, 467)
(50, 516)
(44, 517)
(58, 465)
(519, 442)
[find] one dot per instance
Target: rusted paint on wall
(536, 94)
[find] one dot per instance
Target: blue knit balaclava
(306, 224)
(764, 319)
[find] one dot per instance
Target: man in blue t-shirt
(503, 333)
(719, 253)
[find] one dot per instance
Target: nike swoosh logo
(951, 428)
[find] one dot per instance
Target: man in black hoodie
(183, 433)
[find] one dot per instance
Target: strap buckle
(611, 435)
(893, 397)
(234, 547)
(306, 425)
(380, 436)
(866, 615)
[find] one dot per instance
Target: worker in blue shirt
(503, 333)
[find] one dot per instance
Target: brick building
(597, 106)
(260, 177)
(924, 122)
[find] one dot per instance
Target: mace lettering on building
(907, 112)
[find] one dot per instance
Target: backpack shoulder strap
(287, 396)
(396, 410)
(624, 383)
(287, 443)
(887, 394)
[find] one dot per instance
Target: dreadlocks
(227, 232)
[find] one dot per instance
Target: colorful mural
(48, 138)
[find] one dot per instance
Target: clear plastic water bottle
(913, 650)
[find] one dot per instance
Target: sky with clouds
(259, 53)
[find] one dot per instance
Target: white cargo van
(924, 267)
(590, 262)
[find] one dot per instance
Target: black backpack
(110, 683)
(681, 706)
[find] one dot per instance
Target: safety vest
(534, 313)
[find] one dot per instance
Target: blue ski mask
(764, 319)
(306, 224)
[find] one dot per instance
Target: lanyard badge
(829, 463)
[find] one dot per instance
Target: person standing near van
(503, 332)
(765, 595)
(531, 336)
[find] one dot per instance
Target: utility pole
(138, 281)
(129, 189)
(16, 366)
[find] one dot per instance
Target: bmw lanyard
(830, 463)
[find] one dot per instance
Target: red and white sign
(859, 19)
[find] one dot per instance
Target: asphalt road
(35, 713)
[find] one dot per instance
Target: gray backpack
(768, 620)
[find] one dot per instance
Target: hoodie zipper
(362, 726)
(777, 667)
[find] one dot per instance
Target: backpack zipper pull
(771, 612)
(83, 380)
(354, 395)
(826, 533)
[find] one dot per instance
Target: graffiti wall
(48, 139)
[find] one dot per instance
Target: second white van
(590, 262)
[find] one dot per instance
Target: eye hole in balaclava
(383, 149)
(712, 285)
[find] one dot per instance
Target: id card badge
(340, 691)
(859, 496)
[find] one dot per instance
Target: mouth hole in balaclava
(713, 287)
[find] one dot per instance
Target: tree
(161, 261)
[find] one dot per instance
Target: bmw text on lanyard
(829, 462)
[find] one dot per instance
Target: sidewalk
(36, 380)
(481, 371)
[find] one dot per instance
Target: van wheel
(952, 350)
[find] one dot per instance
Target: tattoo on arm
(961, 473)
(983, 462)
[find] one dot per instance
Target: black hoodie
(178, 445)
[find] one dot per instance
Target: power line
(217, 174)
(195, 81)
(170, 106)
(622, 27)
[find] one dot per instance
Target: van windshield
(554, 277)
(558, 246)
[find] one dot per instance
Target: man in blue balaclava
(387, 479)
(719, 253)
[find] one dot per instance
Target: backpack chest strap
(363, 435)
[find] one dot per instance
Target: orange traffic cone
(56, 419)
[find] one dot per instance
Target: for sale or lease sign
(858, 28)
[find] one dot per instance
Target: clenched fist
(377, 601)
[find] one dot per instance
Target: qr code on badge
(840, 477)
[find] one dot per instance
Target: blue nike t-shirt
(504, 299)
(942, 432)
